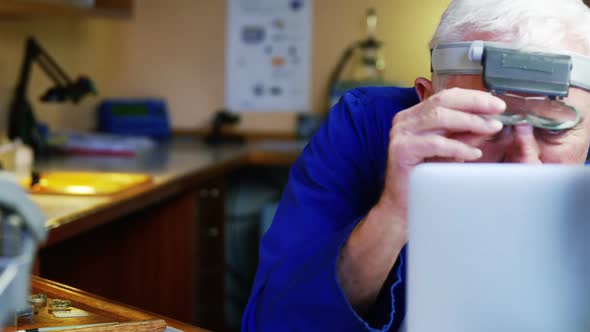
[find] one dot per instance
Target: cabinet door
(210, 259)
(144, 259)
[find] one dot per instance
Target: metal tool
(60, 305)
(38, 300)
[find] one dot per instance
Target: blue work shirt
(335, 182)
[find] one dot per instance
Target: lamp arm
(21, 119)
(51, 68)
(46, 62)
(35, 53)
(31, 53)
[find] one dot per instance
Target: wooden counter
(159, 247)
(100, 311)
(173, 167)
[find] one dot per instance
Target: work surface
(159, 247)
(170, 164)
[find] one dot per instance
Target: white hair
(544, 24)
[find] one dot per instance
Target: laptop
(499, 248)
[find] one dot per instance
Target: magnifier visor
(538, 111)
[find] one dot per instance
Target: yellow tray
(85, 183)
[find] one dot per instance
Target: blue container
(134, 117)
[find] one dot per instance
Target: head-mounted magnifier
(533, 84)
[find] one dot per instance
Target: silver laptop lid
(499, 248)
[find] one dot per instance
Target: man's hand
(445, 127)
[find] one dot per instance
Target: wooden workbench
(100, 310)
(158, 247)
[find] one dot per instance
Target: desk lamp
(21, 119)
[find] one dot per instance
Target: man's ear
(423, 88)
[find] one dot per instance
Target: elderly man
(333, 259)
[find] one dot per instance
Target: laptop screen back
(499, 248)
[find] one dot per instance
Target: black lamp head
(73, 92)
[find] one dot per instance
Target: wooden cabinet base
(155, 258)
(145, 259)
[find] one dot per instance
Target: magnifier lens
(538, 111)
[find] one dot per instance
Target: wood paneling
(167, 257)
(145, 259)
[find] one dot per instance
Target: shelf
(102, 8)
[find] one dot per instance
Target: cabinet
(210, 260)
(159, 248)
(102, 8)
(167, 257)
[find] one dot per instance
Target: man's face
(525, 144)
